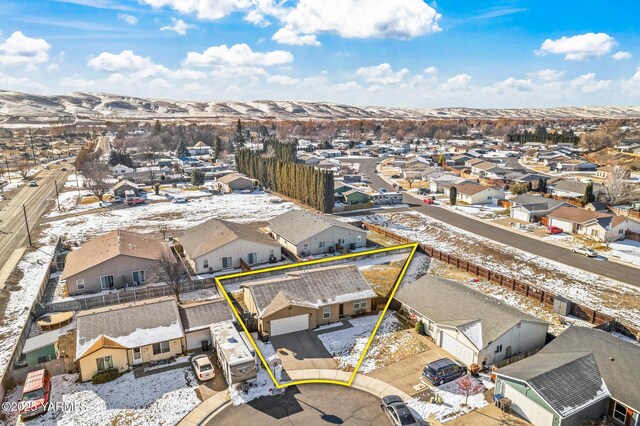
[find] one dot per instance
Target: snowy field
(627, 251)
(608, 296)
(160, 399)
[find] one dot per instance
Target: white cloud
(346, 87)
(512, 83)
(19, 49)
(284, 80)
(187, 74)
(159, 83)
(381, 74)
(286, 36)
(579, 47)
(179, 26)
(123, 61)
(621, 55)
(456, 83)
(204, 9)
(547, 74)
(19, 83)
(237, 55)
(129, 19)
(587, 83)
(235, 72)
(431, 70)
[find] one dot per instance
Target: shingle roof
(215, 233)
(312, 288)
(108, 246)
(573, 186)
(536, 202)
(130, 325)
(296, 226)
(232, 177)
(470, 188)
(197, 316)
(568, 382)
(578, 215)
(446, 301)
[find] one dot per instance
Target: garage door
(290, 325)
(521, 214)
(457, 349)
(527, 408)
(194, 338)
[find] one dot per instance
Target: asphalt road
(611, 270)
(13, 231)
(313, 404)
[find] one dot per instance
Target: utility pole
(33, 150)
(55, 183)
(6, 163)
(26, 222)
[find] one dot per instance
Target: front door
(341, 309)
(137, 356)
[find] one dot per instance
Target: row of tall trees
(543, 136)
(306, 184)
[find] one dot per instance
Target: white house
(472, 193)
(530, 208)
(597, 225)
(474, 328)
(120, 169)
(199, 148)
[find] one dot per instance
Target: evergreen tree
(181, 149)
(541, 185)
(197, 177)
(588, 196)
(217, 147)
(240, 138)
(453, 195)
(157, 127)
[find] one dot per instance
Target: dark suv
(442, 371)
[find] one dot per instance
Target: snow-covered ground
(608, 296)
(263, 385)
(158, 399)
(453, 400)
(627, 251)
(484, 211)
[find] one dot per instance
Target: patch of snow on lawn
(263, 386)
(626, 251)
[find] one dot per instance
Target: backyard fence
(55, 366)
(521, 287)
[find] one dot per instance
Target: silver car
(203, 367)
(397, 411)
(585, 251)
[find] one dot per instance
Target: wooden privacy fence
(521, 287)
(55, 367)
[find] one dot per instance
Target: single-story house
(598, 225)
(605, 171)
(197, 318)
(472, 193)
(114, 260)
(596, 206)
(120, 169)
(438, 181)
(121, 187)
(216, 244)
(355, 196)
(236, 182)
(579, 377)
(199, 148)
(302, 300)
(471, 326)
(126, 335)
(531, 208)
(569, 188)
(328, 153)
(304, 233)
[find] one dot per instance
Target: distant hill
(15, 105)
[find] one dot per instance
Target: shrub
(420, 328)
(105, 376)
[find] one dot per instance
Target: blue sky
(410, 53)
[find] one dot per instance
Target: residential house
(199, 148)
(356, 196)
(569, 188)
(574, 165)
(597, 225)
(605, 171)
(114, 260)
(471, 326)
(308, 159)
(217, 244)
(596, 206)
(120, 169)
(458, 160)
(303, 300)
(304, 233)
(630, 146)
(197, 317)
(472, 193)
(415, 167)
(43, 347)
(438, 181)
(531, 208)
(581, 376)
(328, 153)
(236, 182)
(123, 336)
(473, 161)
(122, 186)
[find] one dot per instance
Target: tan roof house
(216, 244)
(114, 260)
(472, 193)
(236, 182)
(597, 225)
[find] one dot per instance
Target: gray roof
(568, 382)
(574, 186)
(311, 288)
(198, 316)
(296, 226)
(536, 202)
(617, 360)
(451, 303)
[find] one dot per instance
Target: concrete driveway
(302, 350)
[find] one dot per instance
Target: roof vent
(611, 358)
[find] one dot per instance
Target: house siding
(236, 250)
(88, 367)
(330, 238)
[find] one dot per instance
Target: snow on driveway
(263, 386)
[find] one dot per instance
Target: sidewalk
(8, 267)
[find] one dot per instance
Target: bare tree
(95, 175)
(410, 181)
(609, 238)
(23, 168)
(468, 386)
(173, 273)
(616, 189)
(164, 230)
(596, 140)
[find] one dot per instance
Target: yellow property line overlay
(413, 246)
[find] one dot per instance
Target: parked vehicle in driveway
(179, 200)
(585, 251)
(552, 230)
(397, 411)
(116, 200)
(429, 201)
(203, 367)
(35, 394)
(64, 169)
(442, 371)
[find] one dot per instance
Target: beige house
(114, 260)
(215, 245)
(472, 193)
(236, 182)
(304, 233)
(605, 171)
(127, 335)
(597, 225)
(302, 300)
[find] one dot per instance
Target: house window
(106, 282)
(594, 232)
(359, 304)
(138, 277)
(271, 253)
(341, 241)
(227, 262)
(321, 244)
(253, 258)
(161, 348)
(205, 264)
(499, 349)
(620, 231)
(80, 284)
(104, 363)
(326, 312)
(620, 412)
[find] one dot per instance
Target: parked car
(179, 200)
(397, 411)
(35, 394)
(203, 367)
(442, 371)
(33, 183)
(429, 201)
(395, 176)
(117, 199)
(135, 200)
(552, 230)
(585, 251)
(64, 169)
